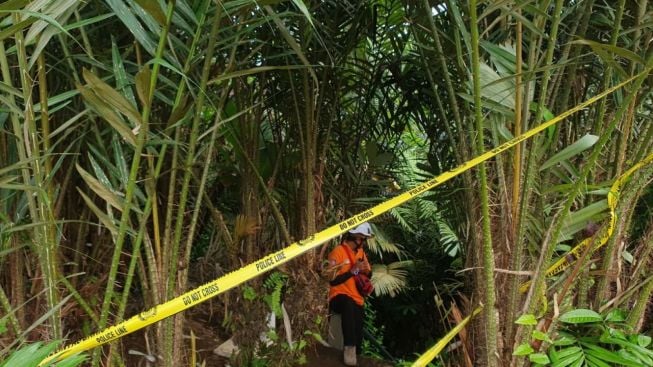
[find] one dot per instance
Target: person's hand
(361, 266)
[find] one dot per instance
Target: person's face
(360, 240)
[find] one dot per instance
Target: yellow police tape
(269, 262)
(603, 235)
(433, 352)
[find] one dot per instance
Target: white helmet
(365, 229)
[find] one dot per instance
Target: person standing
(346, 262)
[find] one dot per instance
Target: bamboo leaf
(252, 71)
(123, 84)
(291, 41)
(112, 97)
(127, 17)
(153, 8)
(108, 114)
(59, 12)
(578, 220)
(88, 21)
(10, 5)
(576, 148)
(66, 125)
(101, 190)
(14, 28)
(626, 54)
(581, 316)
(302, 7)
(102, 216)
(143, 85)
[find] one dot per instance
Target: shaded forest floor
(205, 325)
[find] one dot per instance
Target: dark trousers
(351, 316)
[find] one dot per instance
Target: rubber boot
(350, 356)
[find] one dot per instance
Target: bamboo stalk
(169, 356)
(490, 326)
(558, 222)
(517, 165)
(44, 236)
(131, 184)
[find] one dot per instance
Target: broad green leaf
(581, 316)
(540, 358)
(539, 335)
(616, 315)
(527, 319)
(643, 340)
(633, 357)
(73, 361)
(576, 148)
(30, 355)
(523, 350)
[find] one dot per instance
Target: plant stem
(488, 252)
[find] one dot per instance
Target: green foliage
(587, 338)
(274, 284)
(33, 354)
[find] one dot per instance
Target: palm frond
(390, 279)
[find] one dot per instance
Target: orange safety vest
(338, 256)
